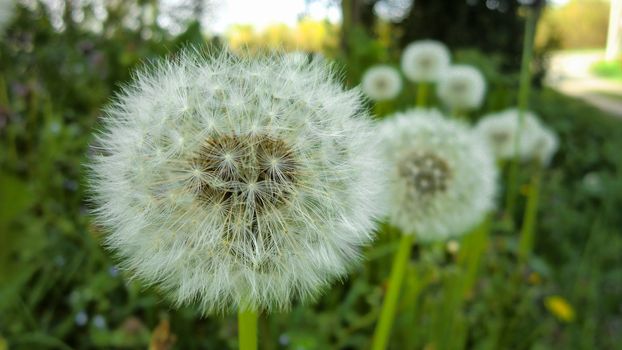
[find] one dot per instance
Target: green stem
(247, 329)
(383, 328)
(380, 109)
(449, 318)
(529, 219)
(523, 100)
(4, 96)
(422, 94)
(471, 252)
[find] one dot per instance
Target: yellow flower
(560, 308)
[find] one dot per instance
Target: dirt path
(570, 74)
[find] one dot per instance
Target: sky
(261, 13)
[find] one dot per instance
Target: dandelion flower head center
(459, 86)
(425, 62)
(499, 137)
(426, 173)
(245, 174)
(381, 83)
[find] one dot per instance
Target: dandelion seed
(381, 82)
(236, 182)
(443, 180)
(425, 60)
(462, 88)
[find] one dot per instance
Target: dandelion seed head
(500, 130)
(381, 82)
(462, 88)
(443, 180)
(235, 182)
(425, 60)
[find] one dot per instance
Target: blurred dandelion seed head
(425, 60)
(426, 173)
(500, 130)
(444, 177)
(381, 82)
(236, 182)
(462, 88)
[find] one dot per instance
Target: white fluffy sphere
(381, 82)
(425, 60)
(537, 142)
(500, 131)
(462, 88)
(236, 182)
(442, 177)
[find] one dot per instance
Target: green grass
(608, 69)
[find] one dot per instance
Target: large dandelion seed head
(442, 180)
(381, 82)
(500, 130)
(7, 12)
(462, 88)
(236, 182)
(425, 60)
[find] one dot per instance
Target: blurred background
(61, 61)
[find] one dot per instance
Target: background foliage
(59, 289)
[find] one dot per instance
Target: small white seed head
(443, 177)
(425, 60)
(500, 130)
(381, 82)
(462, 88)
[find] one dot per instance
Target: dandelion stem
(380, 108)
(4, 97)
(523, 100)
(473, 247)
(387, 314)
(422, 94)
(247, 329)
(529, 219)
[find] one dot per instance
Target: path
(570, 74)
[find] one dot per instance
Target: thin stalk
(380, 108)
(4, 96)
(523, 100)
(247, 329)
(525, 245)
(387, 314)
(471, 252)
(449, 315)
(422, 94)
(458, 113)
